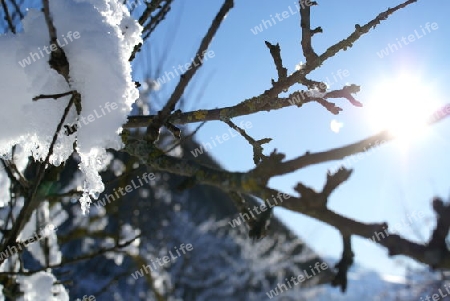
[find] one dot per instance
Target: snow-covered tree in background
(67, 95)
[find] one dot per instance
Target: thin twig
(54, 96)
(8, 17)
(163, 115)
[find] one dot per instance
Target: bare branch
(8, 17)
(334, 180)
(307, 33)
(153, 21)
(163, 115)
(361, 30)
(247, 107)
(332, 154)
(275, 51)
(437, 241)
(256, 144)
(344, 264)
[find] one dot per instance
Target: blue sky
(389, 183)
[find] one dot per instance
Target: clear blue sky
(387, 185)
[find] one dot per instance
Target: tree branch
(163, 115)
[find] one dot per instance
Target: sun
(401, 105)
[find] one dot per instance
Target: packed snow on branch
(97, 37)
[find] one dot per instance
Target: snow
(97, 37)
(127, 233)
(365, 284)
(41, 287)
(315, 93)
(99, 71)
(299, 66)
(48, 228)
